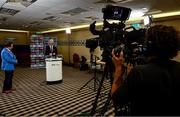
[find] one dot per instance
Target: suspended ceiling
(41, 15)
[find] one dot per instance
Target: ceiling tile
(48, 13)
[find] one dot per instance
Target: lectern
(53, 70)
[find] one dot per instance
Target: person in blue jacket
(7, 65)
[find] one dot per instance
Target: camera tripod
(96, 81)
(107, 71)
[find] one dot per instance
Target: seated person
(83, 64)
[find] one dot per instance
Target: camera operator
(153, 88)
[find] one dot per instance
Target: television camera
(115, 36)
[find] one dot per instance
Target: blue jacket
(8, 60)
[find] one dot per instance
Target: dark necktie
(51, 48)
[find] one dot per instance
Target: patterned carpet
(33, 97)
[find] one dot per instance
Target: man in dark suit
(51, 49)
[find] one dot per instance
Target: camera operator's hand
(129, 67)
(117, 59)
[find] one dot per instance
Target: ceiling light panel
(14, 5)
(7, 11)
(136, 14)
(74, 11)
(24, 3)
(47, 3)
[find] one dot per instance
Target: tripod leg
(97, 96)
(85, 84)
(95, 83)
(106, 104)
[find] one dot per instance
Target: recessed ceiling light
(136, 14)
(144, 9)
(90, 7)
(68, 30)
(48, 13)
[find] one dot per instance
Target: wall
(174, 21)
(21, 38)
(21, 46)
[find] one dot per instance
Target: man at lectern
(51, 49)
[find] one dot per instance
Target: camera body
(115, 35)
